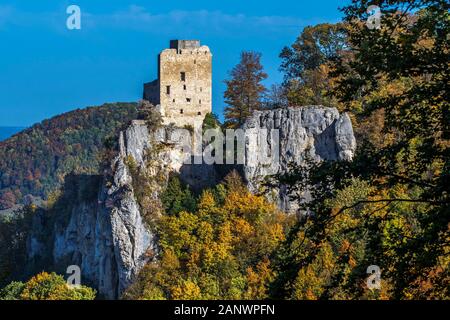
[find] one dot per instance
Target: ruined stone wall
(185, 85)
(151, 92)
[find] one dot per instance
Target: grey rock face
(131, 238)
(107, 236)
(86, 241)
(128, 237)
(316, 132)
(136, 142)
(345, 140)
(175, 159)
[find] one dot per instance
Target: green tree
(46, 286)
(211, 121)
(396, 213)
(306, 64)
(177, 197)
(401, 68)
(14, 232)
(12, 291)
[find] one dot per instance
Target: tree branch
(389, 201)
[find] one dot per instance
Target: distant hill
(6, 132)
(35, 161)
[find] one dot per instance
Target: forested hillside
(35, 161)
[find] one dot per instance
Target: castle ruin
(183, 91)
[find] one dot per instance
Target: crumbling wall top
(184, 44)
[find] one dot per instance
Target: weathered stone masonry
(183, 90)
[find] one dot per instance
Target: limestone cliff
(104, 235)
(106, 232)
(318, 133)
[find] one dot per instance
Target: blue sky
(46, 69)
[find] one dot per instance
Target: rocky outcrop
(103, 230)
(105, 234)
(132, 241)
(317, 133)
(86, 241)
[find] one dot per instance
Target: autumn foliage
(222, 250)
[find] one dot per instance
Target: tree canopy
(244, 91)
(390, 206)
(46, 286)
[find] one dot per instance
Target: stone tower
(183, 90)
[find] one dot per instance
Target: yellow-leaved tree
(220, 251)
